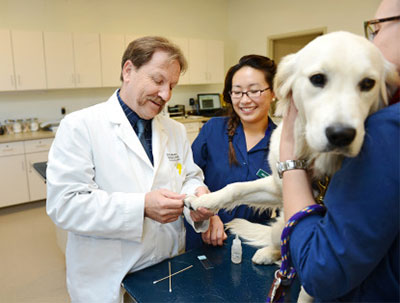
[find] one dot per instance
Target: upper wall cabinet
(28, 60)
(87, 60)
(206, 59)
(112, 48)
(59, 60)
(7, 79)
(72, 60)
(184, 46)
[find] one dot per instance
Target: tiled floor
(32, 267)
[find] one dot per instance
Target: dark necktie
(141, 127)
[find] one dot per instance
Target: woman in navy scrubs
(235, 148)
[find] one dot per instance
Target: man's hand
(163, 205)
(215, 234)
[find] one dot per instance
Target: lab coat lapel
(159, 141)
(124, 129)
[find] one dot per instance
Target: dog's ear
(389, 85)
(283, 84)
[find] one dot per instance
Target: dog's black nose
(340, 135)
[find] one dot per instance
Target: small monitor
(209, 101)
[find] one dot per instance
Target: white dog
(336, 82)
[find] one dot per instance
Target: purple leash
(285, 275)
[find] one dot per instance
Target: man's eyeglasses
(252, 94)
(370, 29)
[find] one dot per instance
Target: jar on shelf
(17, 126)
(9, 124)
(34, 124)
(25, 125)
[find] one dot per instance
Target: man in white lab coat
(119, 189)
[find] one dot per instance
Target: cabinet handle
(8, 149)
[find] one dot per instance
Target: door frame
(272, 38)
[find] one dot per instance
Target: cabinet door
(37, 186)
(129, 38)
(215, 61)
(59, 58)
(29, 59)
(184, 46)
(198, 61)
(7, 79)
(13, 181)
(87, 60)
(192, 130)
(112, 48)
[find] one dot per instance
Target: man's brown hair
(141, 50)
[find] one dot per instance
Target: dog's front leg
(262, 193)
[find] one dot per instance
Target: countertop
(42, 134)
(189, 119)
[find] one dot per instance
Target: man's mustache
(158, 100)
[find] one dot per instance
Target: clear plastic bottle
(236, 250)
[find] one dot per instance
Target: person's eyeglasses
(369, 26)
(252, 94)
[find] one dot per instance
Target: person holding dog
(235, 148)
(118, 173)
(351, 253)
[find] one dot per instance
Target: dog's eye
(366, 84)
(318, 80)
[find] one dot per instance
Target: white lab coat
(97, 176)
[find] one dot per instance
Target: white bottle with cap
(236, 250)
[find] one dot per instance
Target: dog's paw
(209, 201)
(189, 200)
(266, 255)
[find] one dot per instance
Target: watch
(289, 165)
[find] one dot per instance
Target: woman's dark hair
(261, 63)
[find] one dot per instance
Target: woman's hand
(286, 149)
(215, 235)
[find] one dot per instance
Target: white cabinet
(7, 79)
(13, 180)
(206, 59)
(29, 60)
(192, 130)
(19, 182)
(59, 55)
(87, 60)
(184, 46)
(112, 48)
(129, 38)
(72, 60)
(215, 61)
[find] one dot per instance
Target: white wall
(252, 21)
(244, 25)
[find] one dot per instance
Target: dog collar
(289, 165)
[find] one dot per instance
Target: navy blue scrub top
(210, 153)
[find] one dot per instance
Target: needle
(190, 266)
(169, 270)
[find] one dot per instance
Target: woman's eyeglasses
(252, 94)
(370, 29)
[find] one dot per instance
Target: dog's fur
(328, 115)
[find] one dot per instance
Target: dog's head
(336, 81)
